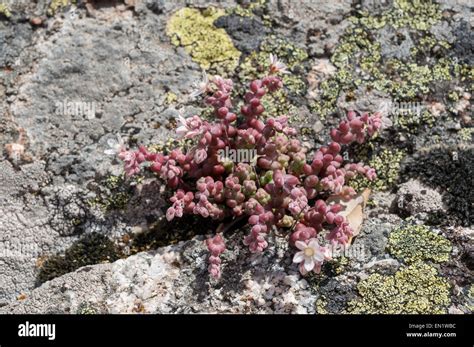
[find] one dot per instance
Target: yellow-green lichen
(170, 144)
(417, 242)
(208, 45)
(339, 265)
(87, 308)
(247, 11)
(470, 298)
(415, 14)
(360, 64)
(170, 98)
(465, 134)
(257, 63)
(386, 165)
(277, 104)
(329, 92)
(5, 11)
(321, 304)
(416, 289)
(115, 196)
(256, 66)
(411, 120)
(56, 5)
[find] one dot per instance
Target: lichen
(415, 14)
(413, 243)
(415, 289)
(321, 306)
(339, 265)
(171, 98)
(387, 166)
(411, 121)
(55, 5)
(5, 11)
(112, 193)
(470, 298)
(87, 308)
(208, 45)
(361, 65)
(256, 64)
(246, 11)
(465, 134)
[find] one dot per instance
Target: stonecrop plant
(282, 188)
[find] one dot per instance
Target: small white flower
(115, 146)
(311, 255)
(183, 127)
(189, 127)
(201, 87)
(277, 66)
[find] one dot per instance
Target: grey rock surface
(318, 24)
(415, 198)
(80, 77)
(174, 279)
(115, 70)
(25, 232)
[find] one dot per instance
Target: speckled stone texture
(58, 189)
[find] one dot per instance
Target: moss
(386, 165)
(56, 5)
(417, 242)
(416, 289)
(208, 45)
(92, 249)
(5, 11)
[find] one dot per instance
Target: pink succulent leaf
(280, 186)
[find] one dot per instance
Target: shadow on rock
(451, 172)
